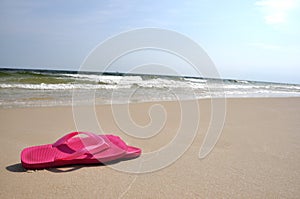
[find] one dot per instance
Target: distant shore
(257, 155)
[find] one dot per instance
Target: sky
(249, 39)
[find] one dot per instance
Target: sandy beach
(257, 155)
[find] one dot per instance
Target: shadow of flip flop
(16, 168)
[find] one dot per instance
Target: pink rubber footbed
(45, 156)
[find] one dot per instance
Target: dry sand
(257, 155)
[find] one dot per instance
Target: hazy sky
(247, 39)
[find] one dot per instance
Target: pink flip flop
(70, 150)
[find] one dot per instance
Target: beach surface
(257, 155)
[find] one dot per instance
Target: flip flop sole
(46, 156)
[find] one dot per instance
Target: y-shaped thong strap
(92, 149)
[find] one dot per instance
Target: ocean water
(44, 88)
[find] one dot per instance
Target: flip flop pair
(70, 150)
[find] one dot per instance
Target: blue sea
(46, 88)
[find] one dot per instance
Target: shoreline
(39, 89)
(151, 101)
(256, 156)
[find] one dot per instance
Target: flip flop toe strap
(91, 149)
